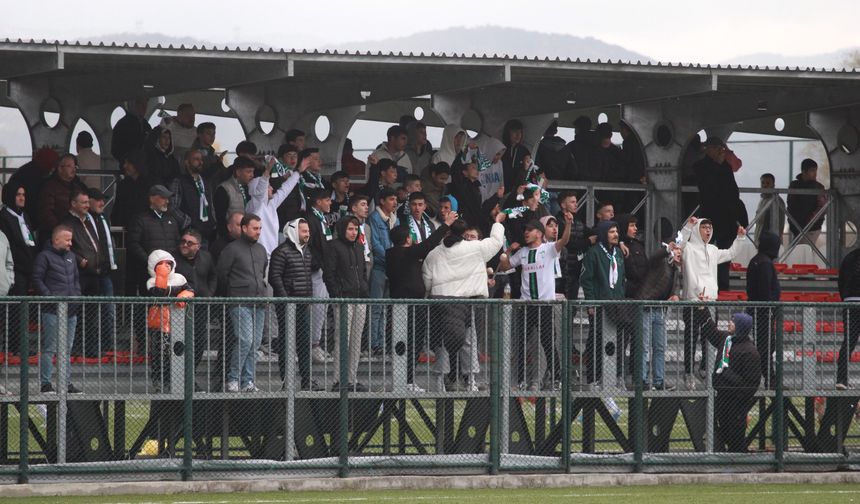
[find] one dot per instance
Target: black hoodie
(343, 270)
(22, 254)
(636, 262)
(162, 166)
(762, 281)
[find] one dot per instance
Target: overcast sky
(705, 32)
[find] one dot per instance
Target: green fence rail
(156, 408)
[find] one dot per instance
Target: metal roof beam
(321, 94)
(541, 99)
(14, 66)
(733, 107)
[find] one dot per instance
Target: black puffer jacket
(290, 271)
(55, 273)
(762, 282)
(148, 231)
(344, 268)
(849, 275)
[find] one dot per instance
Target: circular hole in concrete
(224, 106)
(602, 118)
(322, 128)
(779, 124)
(663, 135)
(418, 113)
(266, 118)
(51, 113)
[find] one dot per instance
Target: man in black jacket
(345, 277)
(403, 261)
(803, 207)
(290, 276)
(719, 200)
(763, 286)
(849, 290)
(319, 204)
(242, 269)
(466, 187)
(577, 246)
(198, 268)
(153, 229)
(736, 377)
(93, 264)
(192, 200)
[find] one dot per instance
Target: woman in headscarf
(16, 225)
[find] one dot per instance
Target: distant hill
(497, 40)
(835, 59)
(154, 39)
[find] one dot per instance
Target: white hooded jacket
(447, 151)
(699, 263)
(267, 209)
(461, 270)
(173, 279)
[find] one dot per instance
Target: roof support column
(663, 157)
(839, 131)
(31, 99)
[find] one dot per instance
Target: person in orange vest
(163, 282)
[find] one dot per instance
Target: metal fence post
(24, 417)
(343, 403)
(188, 403)
(495, 390)
(63, 361)
(638, 409)
(778, 411)
(566, 354)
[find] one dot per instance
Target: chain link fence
(124, 388)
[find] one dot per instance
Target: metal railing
(554, 386)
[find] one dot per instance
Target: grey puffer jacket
(242, 269)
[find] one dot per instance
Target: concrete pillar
(839, 131)
(462, 109)
(662, 162)
(248, 102)
(30, 98)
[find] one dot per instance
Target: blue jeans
(50, 335)
(248, 333)
(653, 344)
(378, 290)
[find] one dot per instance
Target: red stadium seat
(789, 296)
(780, 267)
(827, 272)
(732, 296)
(805, 269)
(814, 297)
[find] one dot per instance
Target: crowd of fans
(273, 226)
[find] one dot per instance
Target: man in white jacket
(458, 269)
(264, 202)
(699, 260)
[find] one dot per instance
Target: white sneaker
(250, 388)
(319, 356)
(232, 386)
(411, 387)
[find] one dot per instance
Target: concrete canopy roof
(103, 74)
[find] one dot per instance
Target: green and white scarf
(204, 203)
(726, 353)
(326, 228)
(415, 232)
